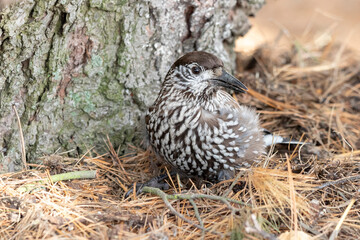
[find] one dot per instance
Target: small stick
(227, 192)
(196, 195)
(22, 141)
(59, 177)
(196, 210)
(255, 227)
(339, 181)
(166, 197)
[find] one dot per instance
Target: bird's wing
(233, 137)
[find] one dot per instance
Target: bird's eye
(195, 70)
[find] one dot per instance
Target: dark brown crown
(204, 59)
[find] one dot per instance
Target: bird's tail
(271, 139)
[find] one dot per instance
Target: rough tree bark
(77, 71)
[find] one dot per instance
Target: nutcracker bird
(199, 128)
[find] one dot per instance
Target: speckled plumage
(198, 127)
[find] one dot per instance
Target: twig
(211, 197)
(311, 230)
(59, 177)
(227, 192)
(197, 214)
(256, 228)
(166, 197)
(339, 181)
(22, 141)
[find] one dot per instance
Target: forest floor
(309, 91)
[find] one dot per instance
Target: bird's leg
(225, 175)
(155, 182)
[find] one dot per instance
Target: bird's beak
(226, 80)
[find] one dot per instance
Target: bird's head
(198, 71)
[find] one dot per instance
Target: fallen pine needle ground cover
(307, 192)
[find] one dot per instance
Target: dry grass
(303, 91)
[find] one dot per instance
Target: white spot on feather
(181, 130)
(194, 164)
(188, 150)
(222, 147)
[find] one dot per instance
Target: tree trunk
(77, 71)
